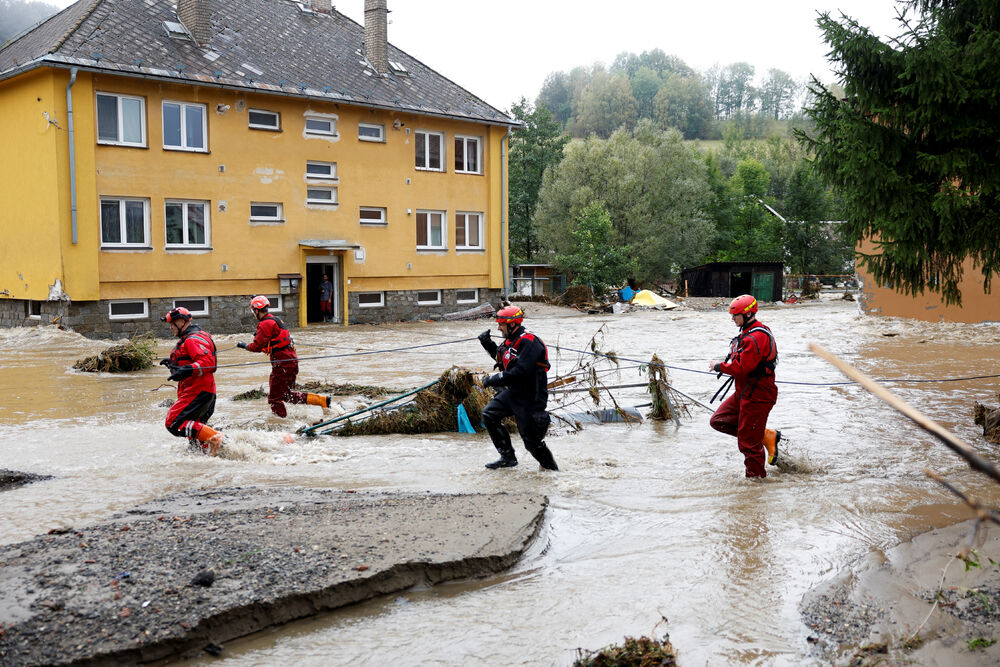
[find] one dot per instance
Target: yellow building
(154, 158)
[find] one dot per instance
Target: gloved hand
(242, 345)
(180, 373)
(492, 380)
(165, 362)
(485, 336)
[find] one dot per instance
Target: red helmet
(176, 314)
(743, 304)
(509, 314)
(259, 302)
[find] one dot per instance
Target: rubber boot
(211, 440)
(770, 442)
(543, 455)
(317, 399)
(501, 440)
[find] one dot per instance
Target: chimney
(196, 17)
(322, 6)
(376, 41)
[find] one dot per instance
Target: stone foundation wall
(401, 306)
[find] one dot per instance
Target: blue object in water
(464, 425)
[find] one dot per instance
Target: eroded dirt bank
(190, 572)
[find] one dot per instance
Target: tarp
(647, 298)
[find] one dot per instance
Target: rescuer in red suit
(192, 366)
(273, 339)
(753, 356)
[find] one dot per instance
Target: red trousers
(283, 376)
(744, 415)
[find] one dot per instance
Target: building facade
(156, 158)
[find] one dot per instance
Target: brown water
(644, 521)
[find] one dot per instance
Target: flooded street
(645, 520)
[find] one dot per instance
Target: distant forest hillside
(16, 15)
(664, 89)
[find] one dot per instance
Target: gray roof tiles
(297, 53)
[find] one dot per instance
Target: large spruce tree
(914, 144)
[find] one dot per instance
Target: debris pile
(640, 652)
(134, 354)
(317, 387)
(989, 419)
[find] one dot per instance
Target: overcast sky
(501, 51)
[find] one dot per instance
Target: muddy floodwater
(645, 520)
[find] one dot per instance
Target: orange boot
(770, 442)
(211, 440)
(318, 399)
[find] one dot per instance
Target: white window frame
(332, 189)
(422, 138)
(331, 176)
(275, 299)
(184, 107)
(381, 210)
(279, 215)
(202, 311)
(380, 304)
(121, 120)
(465, 140)
(276, 127)
(186, 204)
(122, 201)
(474, 299)
(129, 316)
(379, 128)
(444, 229)
(319, 118)
(465, 223)
(31, 307)
(436, 301)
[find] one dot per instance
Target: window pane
(171, 125)
(459, 154)
(107, 118)
(318, 169)
(196, 224)
(195, 132)
(474, 224)
(128, 308)
(459, 229)
(175, 224)
(111, 229)
(421, 229)
(194, 305)
(435, 151)
(317, 125)
(373, 215)
(263, 210)
(135, 222)
(436, 230)
(472, 160)
(421, 144)
(263, 118)
(132, 121)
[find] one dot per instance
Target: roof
(270, 46)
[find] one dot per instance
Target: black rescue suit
(523, 362)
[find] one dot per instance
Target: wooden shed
(730, 279)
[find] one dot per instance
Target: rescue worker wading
(523, 362)
(192, 366)
(273, 339)
(752, 358)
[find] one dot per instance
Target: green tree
(605, 105)
(645, 85)
(813, 244)
(756, 234)
(777, 94)
(912, 145)
(684, 102)
(535, 147)
(593, 258)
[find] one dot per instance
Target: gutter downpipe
(72, 149)
(503, 211)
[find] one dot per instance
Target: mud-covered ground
(188, 573)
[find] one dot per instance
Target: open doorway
(316, 268)
(740, 283)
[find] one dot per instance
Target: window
(467, 155)
(324, 126)
(429, 297)
(35, 309)
(321, 195)
(467, 296)
(371, 132)
(121, 120)
(266, 212)
(372, 215)
(187, 223)
(276, 304)
(371, 299)
(128, 310)
(124, 223)
(321, 170)
(264, 120)
(184, 126)
(197, 306)
(469, 230)
(430, 229)
(430, 150)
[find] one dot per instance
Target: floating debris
(989, 419)
(640, 652)
(316, 387)
(135, 354)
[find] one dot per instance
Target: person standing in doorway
(753, 356)
(192, 366)
(326, 299)
(523, 362)
(273, 338)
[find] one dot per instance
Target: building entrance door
(316, 268)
